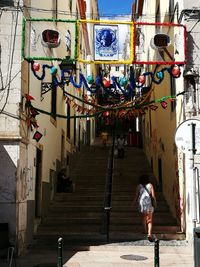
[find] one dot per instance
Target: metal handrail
(108, 190)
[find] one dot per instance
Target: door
(160, 172)
(38, 183)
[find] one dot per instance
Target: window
(53, 100)
(70, 5)
(6, 3)
(173, 92)
(117, 68)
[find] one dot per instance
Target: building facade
(29, 166)
(169, 164)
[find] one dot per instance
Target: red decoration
(36, 66)
(37, 136)
(121, 113)
(141, 79)
(164, 104)
(176, 71)
(142, 112)
(29, 97)
(106, 82)
(153, 107)
(106, 114)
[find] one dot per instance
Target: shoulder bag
(153, 201)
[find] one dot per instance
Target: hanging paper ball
(106, 82)
(159, 75)
(106, 114)
(123, 81)
(53, 70)
(176, 71)
(90, 79)
(141, 79)
(36, 66)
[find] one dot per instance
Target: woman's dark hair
(144, 179)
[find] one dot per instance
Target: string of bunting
(98, 111)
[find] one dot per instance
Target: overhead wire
(11, 58)
(88, 14)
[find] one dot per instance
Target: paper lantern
(36, 66)
(90, 79)
(106, 82)
(53, 70)
(141, 79)
(106, 114)
(159, 75)
(123, 81)
(176, 71)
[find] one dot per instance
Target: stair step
(78, 217)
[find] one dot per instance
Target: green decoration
(46, 58)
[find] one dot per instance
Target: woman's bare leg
(144, 221)
(149, 223)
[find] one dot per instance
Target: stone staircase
(125, 221)
(78, 216)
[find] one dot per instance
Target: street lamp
(67, 66)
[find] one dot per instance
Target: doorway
(38, 183)
(160, 172)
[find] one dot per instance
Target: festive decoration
(106, 43)
(90, 79)
(153, 107)
(141, 79)
(37, 136)
(123, 81)
(164, 104)
(53, 70)
(106, 82)
(160, 75)
(36, 66)
(50, 38)
(163, 49)
(176, 71)
(31, 112)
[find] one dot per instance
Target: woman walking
(144, 195)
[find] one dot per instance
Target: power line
(88, 14)
(11, 60)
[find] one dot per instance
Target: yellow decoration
(109, 22)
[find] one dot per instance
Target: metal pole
(192, 153)
(156, 254)
(60, 247)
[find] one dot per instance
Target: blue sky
(115, 7)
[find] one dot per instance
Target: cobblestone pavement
(127, 254)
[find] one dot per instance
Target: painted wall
(10, 98)
(160, 126)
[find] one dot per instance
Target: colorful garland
(127, 90)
